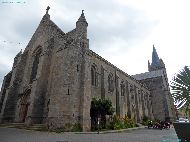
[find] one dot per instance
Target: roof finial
(82, 13)
(47, 9)
(82, 20)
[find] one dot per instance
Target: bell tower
(157, 63)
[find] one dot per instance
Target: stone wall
(66, 90)
(12, 91)
(132, 100)
(42, 39)
(5, 85)
(161, 97)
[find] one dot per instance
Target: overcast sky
(121, 31)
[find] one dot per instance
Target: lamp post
(98, 124)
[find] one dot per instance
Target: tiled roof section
(146, 75)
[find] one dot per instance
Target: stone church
(53, 81)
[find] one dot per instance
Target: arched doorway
(24, 105)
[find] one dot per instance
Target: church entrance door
(24, 104)
(25, 110)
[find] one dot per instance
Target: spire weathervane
(47, 9)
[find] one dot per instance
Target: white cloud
(121, 31)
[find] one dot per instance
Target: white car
(182, 120)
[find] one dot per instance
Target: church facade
(55, 78)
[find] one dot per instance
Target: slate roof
(146, 75)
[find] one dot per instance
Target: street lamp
(98, 124)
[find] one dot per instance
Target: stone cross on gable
(47, 9)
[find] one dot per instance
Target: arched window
(36, 55)
(94, 78)
(122, 88)
(110, 83)
(139, 95)
(131, 88)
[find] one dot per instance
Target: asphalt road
(141, 135)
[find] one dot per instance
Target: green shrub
(146, 120)
(116, 123)
(121, 123)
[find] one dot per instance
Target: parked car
(182, 120)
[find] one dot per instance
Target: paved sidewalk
(140, 135)
(111, 131)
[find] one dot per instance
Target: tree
(180, 87)
(99, 109)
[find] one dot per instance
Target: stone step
(23, 126)
(37, 126)
(12, 124)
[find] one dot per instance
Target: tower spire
(155, 58)
(157, 63)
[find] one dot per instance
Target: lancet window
(36, 55)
